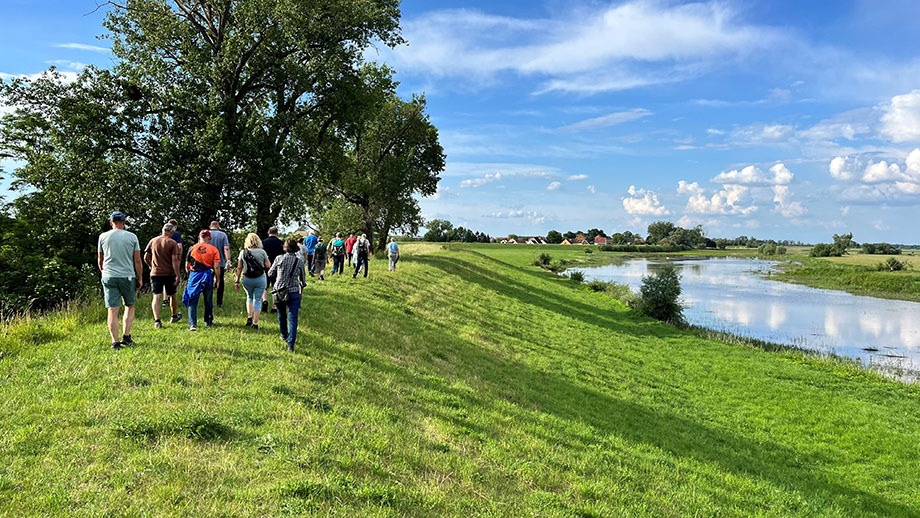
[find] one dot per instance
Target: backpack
(338, 249)
(253, 267)
(362, 245)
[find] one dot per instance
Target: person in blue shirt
(221, 242)
(309, 244)
(393, 253)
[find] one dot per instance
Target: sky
(767, 118)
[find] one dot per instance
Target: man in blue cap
(120, 264)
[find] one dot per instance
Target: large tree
(392, 155)
(226, 107)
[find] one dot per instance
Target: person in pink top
(349, 246)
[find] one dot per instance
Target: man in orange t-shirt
(201, 265)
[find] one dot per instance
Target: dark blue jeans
(208, 294)
(287, 318)
(338, 264)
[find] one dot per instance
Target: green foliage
(873, 280)
(577, 276)
(554, 237)
(589, 250)
(771, 249)
(826, 250)
(844, 241)
(543, 260)
(640, 249)
(895, 265)
(659, 296)
(880, 249)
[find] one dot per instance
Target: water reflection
(733, 295)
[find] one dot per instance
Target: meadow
(468, 383)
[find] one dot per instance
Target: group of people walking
(284, 264)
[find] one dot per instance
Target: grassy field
(858, 274)
(468, 383)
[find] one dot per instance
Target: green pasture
(468, 383)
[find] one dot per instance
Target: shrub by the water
(659, 296)
(543, 260)
(894, 265)
(577, 276)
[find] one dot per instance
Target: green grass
(468, 383)
(855, 274)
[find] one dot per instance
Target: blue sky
(766, 118)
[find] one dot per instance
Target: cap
(204, 233)
(118, 216)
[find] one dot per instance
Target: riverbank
(858, 274)
(467, 383)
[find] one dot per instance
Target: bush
(771, 249)
(577, 276)
(894, 265)
(825, 250)
(589, 250)
(556, 266)
(659, 296)
(543, 260)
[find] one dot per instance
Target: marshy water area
(736, 296)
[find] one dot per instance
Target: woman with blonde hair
(250, 268)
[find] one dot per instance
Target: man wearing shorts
(162, 256)
(120, 264)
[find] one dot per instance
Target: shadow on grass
(495, 378)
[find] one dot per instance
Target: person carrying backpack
(393, 253)
(362, 254)
(250, 269)
(319, 258)
(337, 251)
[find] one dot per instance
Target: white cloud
(592, 189)
(643, 202)
(845, 211)
(606, 121)
(575, 177)
(477, 182)
(689, 188)
(762, 134)
(553, 186)
(81, 46)
(66, 77)
(840, 169)
(781, 174)
(587, 49)
(881, 172)
(901, 121)
(727, 201)
(533, 217)
(784, 206)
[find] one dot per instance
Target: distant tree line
(442, 231)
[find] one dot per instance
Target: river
(736, 295)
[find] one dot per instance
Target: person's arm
(175, 262)
(148, 256)
(101, 259)
(303, 280)
(138, 269)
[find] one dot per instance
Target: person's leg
(366, 265)
(155, 305)
(282, 320)
(113, 323)
(193, 312)
(293, 311)
(311, 263)
(258, 291)
(220, 288)
(208, 295)
(128, 320)
(174, 305)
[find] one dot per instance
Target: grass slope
(467, 383)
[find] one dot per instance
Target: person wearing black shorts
(162, 255)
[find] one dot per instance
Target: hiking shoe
(157, 324)
(209, 324)
(193, 328)
(116, 345)
(264, 306)
(175, 319)
(127, 340)
(255, 327)
(248, 322)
